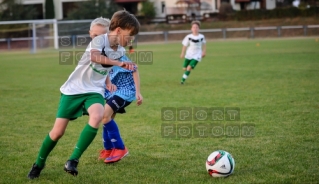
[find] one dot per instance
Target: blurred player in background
(195, 46)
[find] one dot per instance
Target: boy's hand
(111, 87)
(129, 66)
(203, 54)
(139, 99)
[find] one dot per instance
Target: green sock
(87, 136)
(47, 146)
(185, 75)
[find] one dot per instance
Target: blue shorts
(118, 104)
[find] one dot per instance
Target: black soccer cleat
(70, 167)
(35, 171)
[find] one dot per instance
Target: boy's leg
(47, 146)
(94, 103)
(107, 144)
(51, 139)
(114, 134)
(68, 109)
(109, 125)
(186, 63)
(191, 66)
(185, 75)
(113, 105)
(45, 149)
(86, 137)
(185, 67)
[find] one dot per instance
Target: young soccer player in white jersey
(85, 87)
(128, 89)
(195, 44)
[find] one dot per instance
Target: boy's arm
(109, 86)
(96, 46)
(204, 50)
(98, 58)
(108, 80)
(136, 78)
(183, 51)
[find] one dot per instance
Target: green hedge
(275, 13)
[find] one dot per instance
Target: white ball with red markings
(220, 164)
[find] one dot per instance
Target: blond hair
(101, 22)
(195, 22)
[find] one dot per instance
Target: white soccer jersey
(89, 76)
(194, 46)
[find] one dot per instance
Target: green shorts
(191, 62)
(74, 106)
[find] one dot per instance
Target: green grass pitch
(274, 83)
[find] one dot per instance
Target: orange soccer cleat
(116, 155)
(105, 154)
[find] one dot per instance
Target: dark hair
(196, 22)
(126, 21)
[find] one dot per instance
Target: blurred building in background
(163, 8)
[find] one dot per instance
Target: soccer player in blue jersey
(128, 89)
(195, 44)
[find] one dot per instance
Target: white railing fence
(73, 34)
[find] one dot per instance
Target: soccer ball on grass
(220, 164)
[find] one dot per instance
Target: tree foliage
(148, 10)
(92, 9)
(49, 9)
(10, 10)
